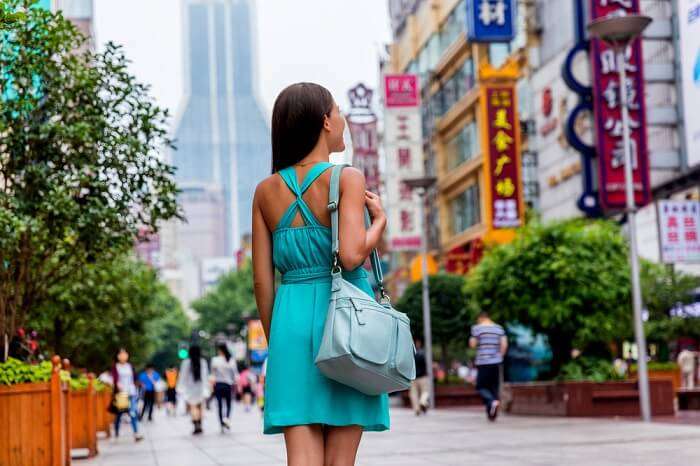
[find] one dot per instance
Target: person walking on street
(148, 379)
(193, 385)
(247, 386)
(171, 392)
(124, 379)
(686, 362)
(491, 345)
(322, 420)
(224, 373)
(420, 392)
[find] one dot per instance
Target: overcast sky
(333, 42)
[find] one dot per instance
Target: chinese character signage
(689, 33)
(362, 123)
(401, 90)
(678, 231)
(608, 116)
(502, 157)
(491, 20)
(403, 144)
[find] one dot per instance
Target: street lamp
(423, 184)
(618, 31)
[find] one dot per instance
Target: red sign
(401, 90)
(365, 152)
(503, 160)
(462, 258)
(608, 115)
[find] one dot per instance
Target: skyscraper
(221, 134)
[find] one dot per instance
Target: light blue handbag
(366, 345)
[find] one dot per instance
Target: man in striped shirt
(491, 345)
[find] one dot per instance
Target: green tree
(665, 289)
(450, 322)
(231, 302)
(80, 172)
(568, 280)
(109, 304)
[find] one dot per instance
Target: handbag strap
(333, 201)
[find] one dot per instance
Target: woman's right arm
(356, 241)
(263, 269)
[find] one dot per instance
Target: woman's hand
(374, 206)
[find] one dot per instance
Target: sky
(335, 43)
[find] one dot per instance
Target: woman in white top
(224, 372)
(193, 386)
(124, 382)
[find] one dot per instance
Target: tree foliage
(450, 321)
(79, 167)
(568, 280)
(108, 305)
(230, 302)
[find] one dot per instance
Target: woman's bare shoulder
(352, 179)
(269, 184)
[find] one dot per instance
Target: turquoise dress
(296, 392)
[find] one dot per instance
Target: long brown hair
(297, 121)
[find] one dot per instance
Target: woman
(247, 386)
(171, 393)
(224, 374)
(193, 386)
(124, 379)
(322, 420)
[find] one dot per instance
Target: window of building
(463, 146)
(466, 211)
(454, 25)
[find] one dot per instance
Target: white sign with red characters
(678, 230)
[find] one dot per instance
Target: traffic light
(182, 351)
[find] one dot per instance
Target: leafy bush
(657, 366)
(14, 371)
(589, 369)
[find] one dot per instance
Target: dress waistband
(318, 274)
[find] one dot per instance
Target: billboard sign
(401, 90)
(491, 20)
(678, 231)
(256, 336)
(403, 146)
(608, 116)
(502, 157)
(689, 32)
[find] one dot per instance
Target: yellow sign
(417, 267)
(256, 336)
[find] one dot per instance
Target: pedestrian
(193, 385)
(171, 392)
(247, 386)
(686, 363)
(148, 380)
(420, 388)
(124, 379)
(491, 345)
(224, 373)
(321, 419)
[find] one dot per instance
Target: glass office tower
(222, 136)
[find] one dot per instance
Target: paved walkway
(444, 437)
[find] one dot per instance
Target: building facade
(222, 136)
(430, 40)
(222, 144)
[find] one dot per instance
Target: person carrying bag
(366, 344)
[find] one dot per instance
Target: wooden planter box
(449, 395)
(103, 418)
(83, 419)
(38, 416)
(688, 398)
(674, 375)
(589, 399)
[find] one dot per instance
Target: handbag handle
(333, 200)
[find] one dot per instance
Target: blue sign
(491, 20)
